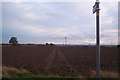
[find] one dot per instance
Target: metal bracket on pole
(95, 7)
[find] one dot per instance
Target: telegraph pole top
(97, 0)
(96, 6)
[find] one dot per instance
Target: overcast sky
(41, 22)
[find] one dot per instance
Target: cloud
(112, 31)
(31, 16)
(52, 21)
(33, 30)
(59, 0)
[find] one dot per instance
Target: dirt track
(50, 60)
(57, 62)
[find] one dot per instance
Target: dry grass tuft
(8, 71)
(105, 74)
(0, 71)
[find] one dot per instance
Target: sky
(50, 22)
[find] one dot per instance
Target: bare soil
(72, 61)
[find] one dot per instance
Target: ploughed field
(72, 61)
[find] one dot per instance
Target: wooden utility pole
(96, 9)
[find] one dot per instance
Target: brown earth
(72, 61)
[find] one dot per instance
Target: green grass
(21, 75)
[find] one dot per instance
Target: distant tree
(13, 41)
(47, 44)
(118, 45)
(52, 44)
